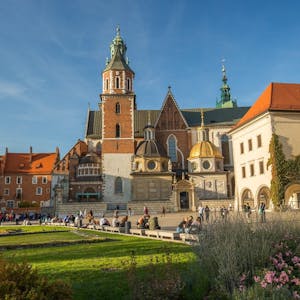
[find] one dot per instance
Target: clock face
(151, 165)
(206, 164)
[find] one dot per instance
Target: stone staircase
(154, 207)
(63, 209)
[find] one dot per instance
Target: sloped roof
(26, 163)
(118, 62)
(212, 116)
(276, 97)
(94, 125)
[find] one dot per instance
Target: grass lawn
(100, 271)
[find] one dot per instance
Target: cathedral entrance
(184, 200)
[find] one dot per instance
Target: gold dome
(205, 149)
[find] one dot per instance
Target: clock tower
(117, 106)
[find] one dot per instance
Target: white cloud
(11, 89)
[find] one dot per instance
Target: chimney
(30, 152)
(6, 150)
(57, 154)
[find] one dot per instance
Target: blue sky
(52, 54)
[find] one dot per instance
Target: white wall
(260, 126)
(116, 165)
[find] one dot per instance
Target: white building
(276, 111)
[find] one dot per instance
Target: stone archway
(264, 195)
(292, 195)
(184, 195)
(247, 198)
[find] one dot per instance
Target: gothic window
(128, 84)
(118, 108)
(172, 148)
(118, 185)
(118, 130)
(225, 148)
(117, 82)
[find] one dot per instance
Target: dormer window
(118, 108)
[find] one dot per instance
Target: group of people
(146, 222)
(189, 225)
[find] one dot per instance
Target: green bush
(233, 251)
(22, 282)
(25, 204)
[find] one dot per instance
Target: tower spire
(226, 101)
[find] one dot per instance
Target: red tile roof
(41, 163)
(277, 96)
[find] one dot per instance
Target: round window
(206, 164)
(151, 165)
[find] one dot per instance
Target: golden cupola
(205, 149)
(204, 155)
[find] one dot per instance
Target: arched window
(172, 148)
(128, 84)
(118, 130)
(118, 185)
(106, 82)
(225, 149)
(117, 82)
(118, 108)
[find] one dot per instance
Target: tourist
(115, 221)
(103, 221)
(163, 211)
(146, 211)
(196, 226)
(181, 226)
(248, 210)
(141, 222)
(123, 221)
(201, 211)
(153, 223)
(206, 211)
(262, 212)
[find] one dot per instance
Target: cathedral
(172, 157)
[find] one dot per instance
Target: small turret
(226, 101)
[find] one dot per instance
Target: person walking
(262, 212)
(206, 211)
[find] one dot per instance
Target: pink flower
(296, 295)
(256, 278)
(284, 278)
(263, 284)
(288, 253)
(269, 276)
(243, 277)
(296, 281)
(296, 259)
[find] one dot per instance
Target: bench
(188, 237)
(169, 234)
(114, 229)
(153, 233)
(137, 231)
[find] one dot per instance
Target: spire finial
(169, 88)
(149, 119)
(202, 118)
(118, 30)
